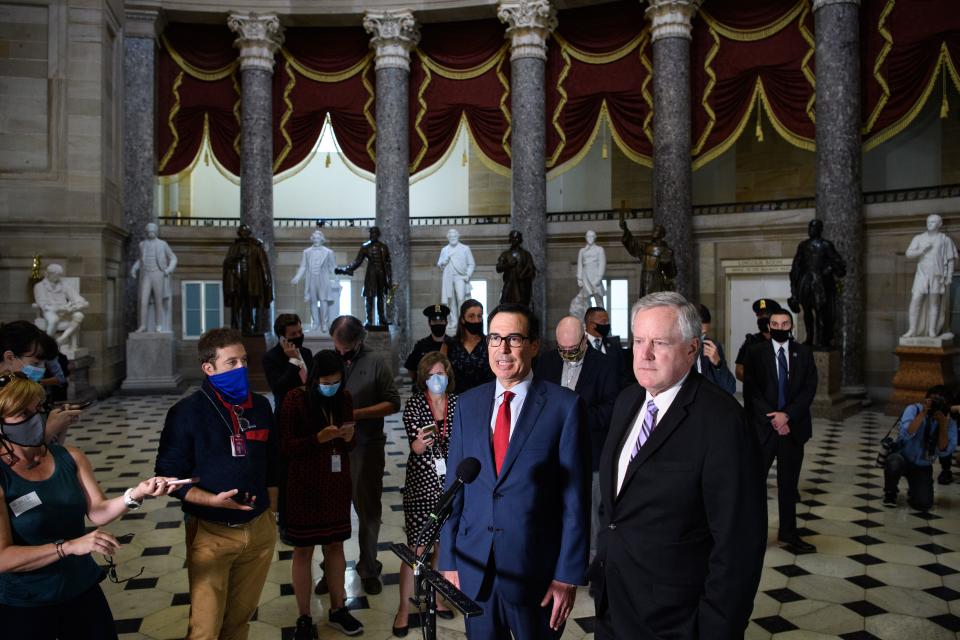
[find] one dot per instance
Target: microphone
(467, 472)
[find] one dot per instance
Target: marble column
(140, 30)
(393, 35)
(529, 24)
(258, 39)
(839, 188)
(670, 27)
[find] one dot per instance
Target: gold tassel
(944, 104)
(604, 153)
(759, 129)
(326, 162)
(463, 159)
(206, 158)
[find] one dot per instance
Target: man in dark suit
(711, 363)
(516, 541)
(586, 371)
(285, 365)
(597, 322)
(779, 383)
(684, 513)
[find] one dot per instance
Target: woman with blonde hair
(428, 420)
(49, 583)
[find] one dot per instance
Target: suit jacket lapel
(586, 370)
(793, 377)
(529, 413)
(668, 424)
(482, 435)
(618, 434)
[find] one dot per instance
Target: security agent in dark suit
(285, 365)
(762, 308)
(779, 383)
(597, 322)
(684, 511)
(711, 363)
(588, 372)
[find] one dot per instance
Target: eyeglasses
(112, 566)
(7, 378)
(243, 422)
(515, 340)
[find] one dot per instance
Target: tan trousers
(227, 567)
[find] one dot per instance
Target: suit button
(612, 527)
(497, 496)
(489, 528)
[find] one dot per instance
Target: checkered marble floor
(878, 573)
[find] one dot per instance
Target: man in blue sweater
(222, 437)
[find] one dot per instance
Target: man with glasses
(516, 541)
(223, 437)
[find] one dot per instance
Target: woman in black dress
(428, 420)
(469, 353)
(316, 435)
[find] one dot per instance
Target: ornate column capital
(143, 19)
(819, 4)
(529, 23)
(258, 38)
(394, 35)
(671, 18)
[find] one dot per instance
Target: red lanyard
(443, 420)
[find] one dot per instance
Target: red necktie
(501, 431)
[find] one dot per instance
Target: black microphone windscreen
(468, 470)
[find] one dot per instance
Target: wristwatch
(128, 500)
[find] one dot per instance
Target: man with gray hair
(684, 510)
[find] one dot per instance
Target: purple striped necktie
(649, 422)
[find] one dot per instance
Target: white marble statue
(937, 257)
(155, 264)
(61, 305)
(591, 266)
(457, 263)
(320, 291)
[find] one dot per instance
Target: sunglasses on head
(10, 376)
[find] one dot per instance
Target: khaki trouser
(227, 567)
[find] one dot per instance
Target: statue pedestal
(80, 389)
(830, 402)
(921, 367)
(256, 347)
(151, 364)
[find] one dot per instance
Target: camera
(887, 446)
(939, 405)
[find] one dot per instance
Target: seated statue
(60, 306)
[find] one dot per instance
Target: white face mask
(437, 383)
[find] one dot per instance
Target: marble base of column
(529, 189)
(256, 156)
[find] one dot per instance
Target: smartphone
(183, 481)
(428, 429)
(348, 424)
(73, 406)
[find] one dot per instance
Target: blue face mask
(328, 390)
(437, 383)
(33, 372)
(233, 384)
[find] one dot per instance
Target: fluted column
(258, 38)
(529, 24)
(393, 35)
(670, 27)
(839, 186)
(142, 25)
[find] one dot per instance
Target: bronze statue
(657, 268)
(248, 284)
(813, 285)
(377, 282)
(516, 265)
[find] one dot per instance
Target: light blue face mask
(437, 383)
(329, 390)
(33, 372)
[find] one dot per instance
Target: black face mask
(780, 335)
(602, 329)
(351, 355)
(438, 330)
(297, 342)
(476, 328)
(763, 324)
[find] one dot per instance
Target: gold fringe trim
(645, 87)
(200, 74)
(805, 63)
(371, 120)
(486, 160)
(429, 171)
(598, 58)
(205, 149)
(288, 143)
(463, 74)
(552, 160)
(236, 114)
(170, 121)
(878, 64)
(580, 155)
(319, 76)
(760, 33)
(639, 158)
(798, 141)
(505, 140)
(421, 113)
(707, 91)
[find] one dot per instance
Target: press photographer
(926, 432)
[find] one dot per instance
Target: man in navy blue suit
(517, 540)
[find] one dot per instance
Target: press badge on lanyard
(238, 445)
(335, 463)
(441, 466)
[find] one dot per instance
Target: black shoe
(446, 614)
(342, 620)
(322, 588)
(796, 545)
(401, 632)
(945, 477)
(305, 629)
(889, 499)
(372, 585)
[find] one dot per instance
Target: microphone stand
(427, 582)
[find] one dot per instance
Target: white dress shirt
(520, 391)
(570, 374)
(663, 400)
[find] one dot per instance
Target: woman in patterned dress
(469, 354)
(316, 435)
(428, 420)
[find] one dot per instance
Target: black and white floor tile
(878, 573)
